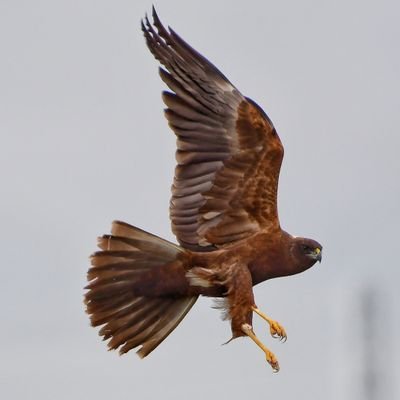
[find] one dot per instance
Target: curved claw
(272, 361)
(277, 331)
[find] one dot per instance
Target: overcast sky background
(84, 141)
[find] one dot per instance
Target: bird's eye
(306, 248)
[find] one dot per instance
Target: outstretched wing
(228, 152)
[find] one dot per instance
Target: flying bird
(223, 212)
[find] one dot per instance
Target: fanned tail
(129, 320)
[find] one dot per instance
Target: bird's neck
(272, 260)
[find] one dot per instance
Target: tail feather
(171, 319)
(135, 328)
(121, 326)
(129, 320)
(102, 316)
(127, 231)
(118, 243)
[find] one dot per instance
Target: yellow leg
(272, 361)
(277, 331)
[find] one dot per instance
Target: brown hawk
(223, 211)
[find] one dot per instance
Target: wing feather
(228, 152)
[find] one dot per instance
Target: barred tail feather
(128, 320)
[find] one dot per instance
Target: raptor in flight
(223, 210)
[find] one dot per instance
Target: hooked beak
(318, 254)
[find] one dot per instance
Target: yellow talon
(277, 330)
(271, 359)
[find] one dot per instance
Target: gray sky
(84, 142)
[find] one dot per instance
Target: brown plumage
(223, 211)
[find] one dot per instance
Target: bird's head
(306, 252)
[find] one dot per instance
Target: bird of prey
(223, 212)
